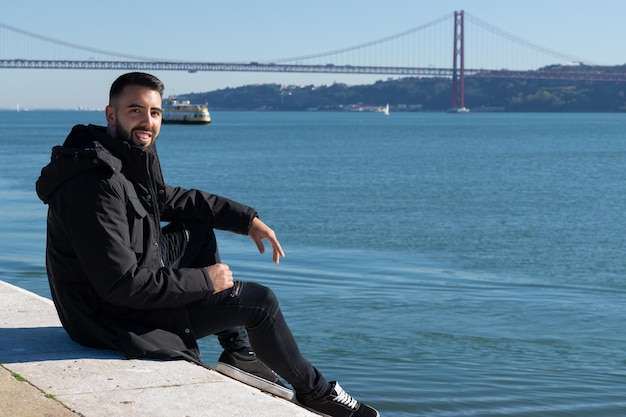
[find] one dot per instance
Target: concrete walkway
(97, 383)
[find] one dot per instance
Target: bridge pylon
(458, 65)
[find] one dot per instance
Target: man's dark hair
(135, 78)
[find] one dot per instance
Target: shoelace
(345, 398)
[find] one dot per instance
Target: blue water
(437, 264)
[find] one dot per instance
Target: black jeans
(252, 306)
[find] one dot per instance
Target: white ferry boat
(184, 112)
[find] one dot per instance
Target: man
(119, 281)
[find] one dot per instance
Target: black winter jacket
(106, 199)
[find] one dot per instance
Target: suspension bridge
(423, 51)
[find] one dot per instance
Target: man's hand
(221, 276)
(258, 232)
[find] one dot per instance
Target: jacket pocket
(137, 220)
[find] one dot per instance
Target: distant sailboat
(386, 110)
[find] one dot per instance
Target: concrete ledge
(98, 383)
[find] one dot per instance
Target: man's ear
(110, 115)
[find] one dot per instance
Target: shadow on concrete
(34, 344)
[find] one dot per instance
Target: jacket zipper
(153, 195)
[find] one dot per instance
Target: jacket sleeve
(216, 211)
(97, 225)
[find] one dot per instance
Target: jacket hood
(85, 148)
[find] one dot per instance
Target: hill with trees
(426, 94)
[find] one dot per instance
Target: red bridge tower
(458, 66)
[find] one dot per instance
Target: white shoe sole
(254, 381)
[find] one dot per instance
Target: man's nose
(146, 118)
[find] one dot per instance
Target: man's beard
(121, 133)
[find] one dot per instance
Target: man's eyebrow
(140, 106)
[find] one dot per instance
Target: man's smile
(142, 137)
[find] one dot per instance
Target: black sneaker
(245, 367)
(248, 362)
(338, 403)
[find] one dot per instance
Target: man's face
(135, 116)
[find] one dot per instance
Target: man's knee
(262, 296)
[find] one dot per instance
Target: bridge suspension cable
(75, 45)
(516, 39)
(364, 45)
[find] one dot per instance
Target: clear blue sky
(238, 31)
